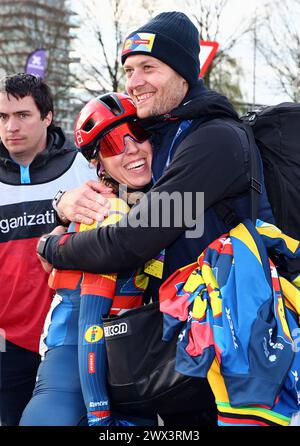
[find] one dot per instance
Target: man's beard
(166, 103)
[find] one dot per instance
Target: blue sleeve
(92, 358)
(97, 296)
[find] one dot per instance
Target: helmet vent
(113, 104)
(89, 125)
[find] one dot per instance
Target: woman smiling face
(132, 166)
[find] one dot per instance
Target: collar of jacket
(57, 144)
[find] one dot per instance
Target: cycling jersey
(75, 318)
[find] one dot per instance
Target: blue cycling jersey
(75, 319)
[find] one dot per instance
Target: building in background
(26, 25)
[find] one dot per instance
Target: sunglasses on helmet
(113, 142)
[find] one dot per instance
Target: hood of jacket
(57, 145)
(203, 103)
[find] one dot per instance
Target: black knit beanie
(170, 37)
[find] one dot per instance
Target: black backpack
(277, 134)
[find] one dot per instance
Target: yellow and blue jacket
(239, 321)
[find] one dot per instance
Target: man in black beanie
(170, 44)
(198, 146)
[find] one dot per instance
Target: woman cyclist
(71, 380)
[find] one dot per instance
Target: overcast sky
(235, 13)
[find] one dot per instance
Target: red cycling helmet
(99, 116)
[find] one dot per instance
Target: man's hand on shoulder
(85, 204)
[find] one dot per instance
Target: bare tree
(101, 68)
(224, 72)
(279, 43)
(27, 25)
(149, 6)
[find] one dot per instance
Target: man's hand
(58, 230)
(85, 204)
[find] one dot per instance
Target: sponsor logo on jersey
(94, 333)
(91, 362)
(98, 403)
(230, 323)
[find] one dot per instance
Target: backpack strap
(224, 209)
(227, 214)
(256, 187)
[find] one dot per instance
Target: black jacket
(58, 156)
(212, 159)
